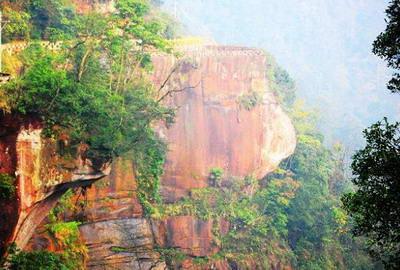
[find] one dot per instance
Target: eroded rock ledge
(42, 176)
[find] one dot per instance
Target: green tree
(96, 77)
(374, 207)
(94, 88)
(18, 24)
(37, 260)
(387, 43)
(7, 187)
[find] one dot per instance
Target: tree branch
(170, 92)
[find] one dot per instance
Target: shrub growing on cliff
(215, 177)
(281, 84)
(149, 162)
(250, 100)
(66, 235)
(37, 260)
(171, 256)
(18, 28)
(7, 186)
(256, 216)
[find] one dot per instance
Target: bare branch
(175, 68)
(170, 92)
(82, 66)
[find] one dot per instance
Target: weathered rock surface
(121, 244)
(213, 129)
(192, 236)
(42, 176)
(114, 197)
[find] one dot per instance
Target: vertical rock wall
(9, 128)
(212, 87)
(213, 128)
(227, 117)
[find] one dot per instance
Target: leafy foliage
(317, 227)
(7, 186)
(149, 163)
(92, 79)
(119, 249)
(78, 99)
(256, 214)
(94, 88)
(37, 260)
(216, 176)
(171, 256)
(66, 234)
(386, 44)
(17, 26)
(250, 100)
(374, 206)
(281, 84)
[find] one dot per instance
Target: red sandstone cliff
(213, 129)
(42, 176)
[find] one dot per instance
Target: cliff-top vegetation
(93, 88)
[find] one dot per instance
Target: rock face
(41, 176)
(121, 244)
(213, 129)
(114, 197)
(227, 117)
